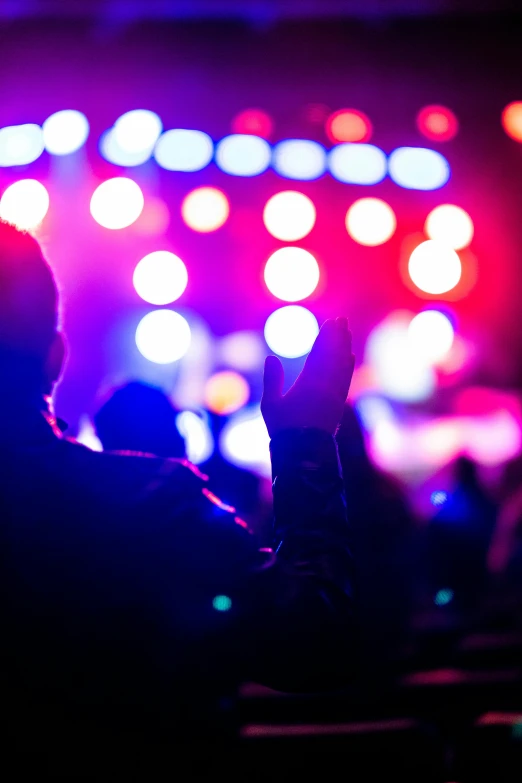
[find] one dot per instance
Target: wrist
(305, 447)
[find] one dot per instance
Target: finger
(273, 379)
(322, 348)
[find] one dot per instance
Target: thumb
(273, 379)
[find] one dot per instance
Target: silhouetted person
(138, 417)
(132, 601)
(459, 537)
(384, 544)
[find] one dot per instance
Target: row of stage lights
(138, 135)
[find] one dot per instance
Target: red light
(512, 120)
(254, 122)
(437, 123)
(348, 125)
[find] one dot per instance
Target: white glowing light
(434, 267)
(137, 130)
(430, 335)
(160, 277)
(20, 144)
(117, 203)
(163, 336)
(205, 209)
(371, 221)
(199, 442)
(299, 159)
(24, 203)
(111, 151)
(399, 372)
(358, 164)
(243, 155)
(418, 168)
(244, 441)
(242, 350)
(291, 331)
(65, 132)
(291, 274)
(184, 150)
(289, 215)
(450, 225)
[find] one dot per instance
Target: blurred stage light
(205, 209)
(154, 219)
(443, 597)
(358, 164)
(291, 331)
(24, 203)
(20, 144)
(117, 203)
(137, 130)
(371, 221)
(437, 123)
(434, 267)
(222, 603)
(242, 155)
(183, 150)
(299, 159)
(439, 497)
(255, 122)
(289, 215)
(430, 335)
(244, 441)
(242, 350)
(348, 125)
(111, 151)
(163, 336)
(199, 442)
(160, 277)
(512, 120)
(226, 392)
(417, 168)
(291, 274)
(450, 225)
(398, 372)
(65, 132)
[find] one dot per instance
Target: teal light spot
(443, 597)
(517, 730)
(222, 603)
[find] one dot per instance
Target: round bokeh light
(434, 267)
(291, 331)
(289, 215)
(160, 277)
(371, 221)
(163, 336)
(117, 203)
(205, 209)
(24, 203)
(450, 225)
(291, 274)
(226, 392)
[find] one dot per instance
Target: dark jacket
(132, 596)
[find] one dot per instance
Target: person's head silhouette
(139, 417)
(31, 345)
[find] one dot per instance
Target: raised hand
(318, 396)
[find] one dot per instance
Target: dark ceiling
(248, 10)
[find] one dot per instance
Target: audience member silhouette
(132, 599)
